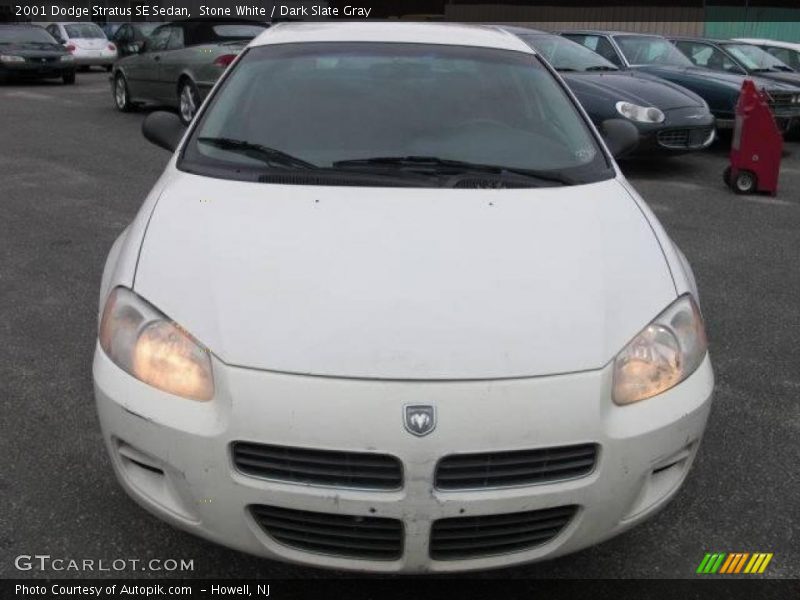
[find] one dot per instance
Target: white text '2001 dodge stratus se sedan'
(392, 307)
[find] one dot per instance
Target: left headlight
(662, 355)
(67, 58)
(640, 114)
(146, 344)
(11, 58)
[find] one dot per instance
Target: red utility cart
(757, 145)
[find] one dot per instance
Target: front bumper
(173, 456)
(33, 68)
(683, 130)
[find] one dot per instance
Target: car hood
(404, 283)
(631, 86)
(791, 79)
(710, 76)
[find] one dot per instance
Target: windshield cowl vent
(488, 183)
(308, 179)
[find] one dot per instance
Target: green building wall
(771, 23)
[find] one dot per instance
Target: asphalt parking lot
(74, 172)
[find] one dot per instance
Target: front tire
(745, 182)
(122, 95)
(188, 101)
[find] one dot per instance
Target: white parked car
(86, 42)
(393, 307)
(786, 52)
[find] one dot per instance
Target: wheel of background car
(69, 78)
(188, 101)
(122, 95)
(745, 182)
(726, 176)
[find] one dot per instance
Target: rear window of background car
(84, 30)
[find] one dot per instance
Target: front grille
(780, 98)
(47, 60)
(372, 538)
(470, 537)
(514, 468)
(684, 138)
(319, 467)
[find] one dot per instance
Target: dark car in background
(179, 63)
(657, 56)
(670, 118)
(130, 37)
(110, 28)
(28, 51)
(737, 57)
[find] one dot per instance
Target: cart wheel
(745, 182)
(726, 176)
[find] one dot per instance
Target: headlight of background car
(640, 114)
(146, 344)
(11, 58)
(664, 353)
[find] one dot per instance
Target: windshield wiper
(439, 165)
(566, 70)
(270, 156)
(601, 68)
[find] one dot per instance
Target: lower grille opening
(471, 537)
(350, 536)
(684, 138)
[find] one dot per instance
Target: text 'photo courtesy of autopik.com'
(399, 299)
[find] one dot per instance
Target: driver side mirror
(164, 129)
(621, 136)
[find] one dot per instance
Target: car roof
(451, 34)
(767, 42)
(690, 38)
(610, 32)
(521, 30)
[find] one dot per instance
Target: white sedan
(392, 307)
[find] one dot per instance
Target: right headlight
(146, 344)
(662, 355)
(640, 114)
(11, 58)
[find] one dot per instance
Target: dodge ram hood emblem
(420, 419)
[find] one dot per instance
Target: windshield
(566, 55)
(754, 58)
(317, 105)
(23, 35)
(84, 30)
(651, 50)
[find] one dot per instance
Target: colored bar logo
(734, 563)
